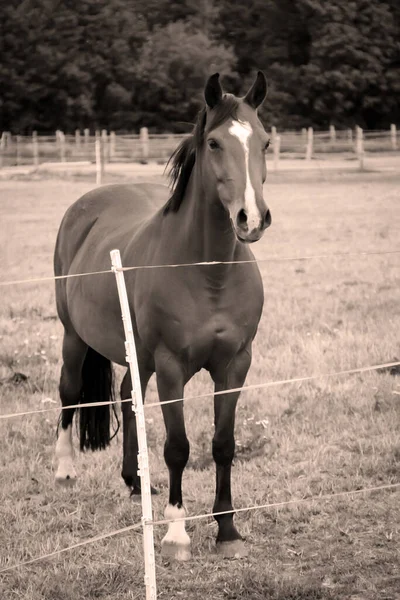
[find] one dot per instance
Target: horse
(184, 319)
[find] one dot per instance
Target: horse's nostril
(241, 219)
(267, 219)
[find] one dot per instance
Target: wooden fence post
(62, 147)
(99, 161)
(393, 135)
(105, 147)
(18, 148)
(273, 135)
(277, 150)
(310, 140)
(78, 139)
(60, 140)
(35, 148)
(332, 133)
(113, 144)
(2, 147)
(144, 141)
(360, 147)
(86, 140)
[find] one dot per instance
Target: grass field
(293, 441)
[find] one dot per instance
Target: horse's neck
(206, 224)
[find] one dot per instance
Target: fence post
(144, 141)
(273, 134)
(18, 148)
(2, 146)
(99, 162)
(113, 143)
(393, 135)
(332, 133)
(277, 150)
(60, 139)
(78, 139)
(310, 139)
(137, 406)
(86, 140)
(104, 139)
(360, 147)
(35, 148)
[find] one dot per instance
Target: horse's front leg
(170, 384)
(229, 541)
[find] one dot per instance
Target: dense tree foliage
(121, 64)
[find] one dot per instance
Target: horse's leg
(170, 384)
(73, 353)
(130, 442)
(229, 541)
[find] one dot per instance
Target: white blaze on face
(243, 131)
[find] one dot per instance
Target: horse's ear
(258, 91)
(213, 91)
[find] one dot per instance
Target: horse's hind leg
(130, 442)
(73, 352)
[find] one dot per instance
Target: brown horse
(184, 319)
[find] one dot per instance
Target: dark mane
(183, 159)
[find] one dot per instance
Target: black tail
(94, 421)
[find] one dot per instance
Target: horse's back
(118, 209)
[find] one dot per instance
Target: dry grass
(294, 441)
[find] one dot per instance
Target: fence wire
(202, 264)
(246, 388)
(202, 516)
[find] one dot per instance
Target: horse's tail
(97, 386)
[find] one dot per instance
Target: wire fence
(202, 264)
(246, 388)
(267, 506)
(136, 526)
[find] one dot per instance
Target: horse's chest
(203, 335)
(200, 320)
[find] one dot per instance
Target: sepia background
(127, 78)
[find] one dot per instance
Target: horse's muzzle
(242, 231)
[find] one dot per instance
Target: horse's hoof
(66, 480)
(234, 549)
(174, 551)
(136, 491)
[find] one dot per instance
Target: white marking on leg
(176, 541)
(65, 455)
(243, 131)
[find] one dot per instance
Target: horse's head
(234, 145)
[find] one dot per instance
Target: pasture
(293, 441)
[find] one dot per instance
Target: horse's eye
(266, 146)
(213, 144)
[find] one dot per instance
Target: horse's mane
(183, 159)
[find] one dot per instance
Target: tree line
(123, 64)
